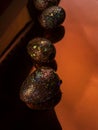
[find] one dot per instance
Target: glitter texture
(41, 50)
(43, 4)
(52, 17)
(40, 87)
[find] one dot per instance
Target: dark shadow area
(14, 114)
(51, 64)
(32, 10)
(4, 4)
(55, 35)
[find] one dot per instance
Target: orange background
(77, 60)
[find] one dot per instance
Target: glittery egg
(52, 17)
(41, 50)
(41, 89)
(43, 4)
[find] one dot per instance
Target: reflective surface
(77, 59)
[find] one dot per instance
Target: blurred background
(77, 65)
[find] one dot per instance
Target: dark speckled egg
(52, 17)
(41, 89)
(41, 50)
(43, 4)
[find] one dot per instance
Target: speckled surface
(43, 4)
(41, 86)
(52, 17)
(41, 50)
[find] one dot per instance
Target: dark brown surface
(3, 5)
(12, 21)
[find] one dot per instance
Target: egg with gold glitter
(41, 50)
(52, 17)
(43, 4)
(41, 89)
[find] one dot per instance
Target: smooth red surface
(77, 60)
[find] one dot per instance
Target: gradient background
(77, 58)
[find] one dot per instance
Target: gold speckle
(33, 55)
(34, 46)
(42, 42)
(39, 48)
(51, 14)
(29, 90)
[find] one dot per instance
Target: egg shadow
(14, 113)
(55, 35)
(52, 64)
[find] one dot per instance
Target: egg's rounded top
(52, 17)
(40, 86)
(43, 4)
(41, 50)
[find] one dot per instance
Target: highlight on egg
(52, 17)
(41, 89)
(41, 50)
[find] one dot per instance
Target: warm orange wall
(77, 60)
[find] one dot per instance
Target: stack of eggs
(41, 89)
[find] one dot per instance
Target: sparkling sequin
(40, 86)
(41, 50)
(52, 17)
(43, 4)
